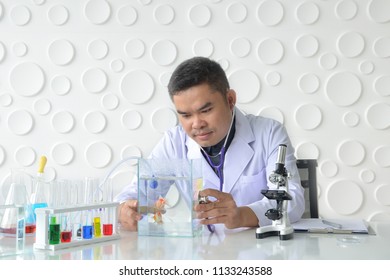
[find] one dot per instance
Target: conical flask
(38, 198)
(17, 196)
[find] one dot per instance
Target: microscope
(280, 222)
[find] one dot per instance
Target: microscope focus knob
(273, 214)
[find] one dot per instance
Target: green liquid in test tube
(54, 231)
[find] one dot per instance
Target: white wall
(84, 82)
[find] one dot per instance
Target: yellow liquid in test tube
(97, 226)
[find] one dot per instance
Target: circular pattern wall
(86, 84)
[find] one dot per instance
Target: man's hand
(128, 215)
(223, 210)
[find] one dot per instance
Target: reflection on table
(227, 244)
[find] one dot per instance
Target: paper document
(330, 226)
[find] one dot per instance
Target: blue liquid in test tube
(87, 232)
(87, 227)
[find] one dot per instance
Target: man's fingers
(151, 210)
(211, 192)
(129, 216)
(218, 195)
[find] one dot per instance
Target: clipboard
(350, 226)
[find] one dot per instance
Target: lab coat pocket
(248, 188)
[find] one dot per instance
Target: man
(238, 151)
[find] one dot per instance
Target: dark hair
(196, 71)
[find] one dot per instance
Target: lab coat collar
(236, 159)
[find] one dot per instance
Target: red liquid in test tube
(66, 236)
(107, 229)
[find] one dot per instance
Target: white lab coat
(249, 161)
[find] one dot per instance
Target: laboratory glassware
(18, 195)
(12, 235)
(107, 214)
(54, 230)
(64, 190)
(166, 196)
(44, 215)
(38, 198)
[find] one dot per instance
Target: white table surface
(227, 245)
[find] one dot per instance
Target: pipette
(38, 199)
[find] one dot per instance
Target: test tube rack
(42, 229)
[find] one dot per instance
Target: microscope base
(283, 232)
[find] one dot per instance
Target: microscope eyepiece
(281, 154)
(279, 165)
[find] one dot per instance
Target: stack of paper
(330, 226)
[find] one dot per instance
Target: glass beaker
(18, 195)
(15, 244)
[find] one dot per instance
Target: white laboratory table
(227, 245)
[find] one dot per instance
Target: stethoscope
(219, 167)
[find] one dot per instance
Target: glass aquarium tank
(167, 192)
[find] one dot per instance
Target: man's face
(205, 114)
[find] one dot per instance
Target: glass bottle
(38, 198)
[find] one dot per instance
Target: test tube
(66, 232)
(108, 214)
(77, 198)
(76, 226)
(97, 226)
(108, 228)
(92, 225)
(54, 230)
(54, 226)
(87, 225)
(92, 191)
(64, 188)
